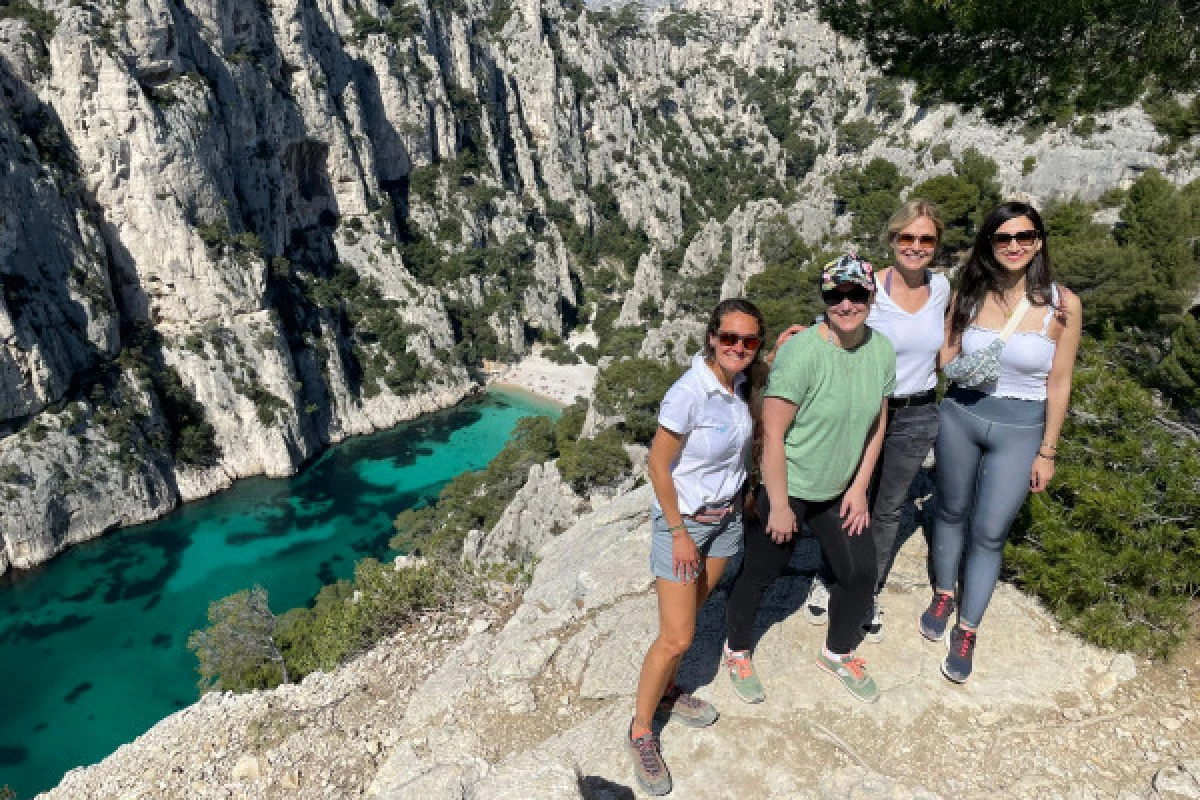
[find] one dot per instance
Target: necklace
(1007, 299)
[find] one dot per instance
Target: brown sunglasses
(728, 339)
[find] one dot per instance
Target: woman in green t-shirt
(823, 424)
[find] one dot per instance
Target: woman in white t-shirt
(698, 463)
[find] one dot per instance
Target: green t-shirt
(837, 395)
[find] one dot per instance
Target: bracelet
(1043, 455)
(680, 527)
(1053, 447)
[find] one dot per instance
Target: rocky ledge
(531, 698)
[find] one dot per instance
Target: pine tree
(237, 651)
(1113, 546)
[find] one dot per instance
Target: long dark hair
(756, 372)
(981, 274)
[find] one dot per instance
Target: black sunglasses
(909, 239)
(728, 339)
(1024, 238)
(856, 294)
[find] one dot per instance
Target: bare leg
(678, 604)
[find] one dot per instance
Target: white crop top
(1025, 360)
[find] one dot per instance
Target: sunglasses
(728, 339)
(1023, 238)
(910, 239)
(858, 295)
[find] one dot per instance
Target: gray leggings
(985, 450)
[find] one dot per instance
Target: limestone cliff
(233, 232)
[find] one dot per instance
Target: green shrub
(856, 136)
(1028, 165)
(1113, 546)
(588, 353)
(633, 389)
(502, 11)
(349, 616)
(1177, 122)
(596, 462)
(44, 23)
(560, 354)
(964, 198)
(237, 651)
(871, 193)
(887, 97)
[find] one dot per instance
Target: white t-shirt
(917, 338)
(716, 428)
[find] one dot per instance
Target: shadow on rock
(593, 787)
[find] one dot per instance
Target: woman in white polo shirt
(698, 463)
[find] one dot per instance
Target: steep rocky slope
(232, 232)
(531, 699)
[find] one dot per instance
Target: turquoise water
(93, 644)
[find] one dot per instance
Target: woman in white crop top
(997, 442)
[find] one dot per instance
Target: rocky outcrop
(543, 508)
(469, 703)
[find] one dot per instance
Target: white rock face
(543, 508)
(227, 187)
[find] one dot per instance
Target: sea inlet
(93, 644)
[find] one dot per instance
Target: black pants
(851, 558)
(910, 435)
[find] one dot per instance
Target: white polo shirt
(716, 428)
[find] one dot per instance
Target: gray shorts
(715, 540)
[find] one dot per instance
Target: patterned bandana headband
(847, 269)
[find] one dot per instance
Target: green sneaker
(741, 672)
(853, 674)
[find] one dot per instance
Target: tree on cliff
(1028, 57)
(238, 651)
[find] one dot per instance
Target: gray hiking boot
(685, 707)
(648, 765)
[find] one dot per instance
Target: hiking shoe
(741, 673)
(853, 674)
(648, 765)
(816, 607)
(685, 707)
(873, 627)
(935, 619)
(957, 666)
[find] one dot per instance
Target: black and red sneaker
(934, 621)
(957, 666)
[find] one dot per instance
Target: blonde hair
(910, 212)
